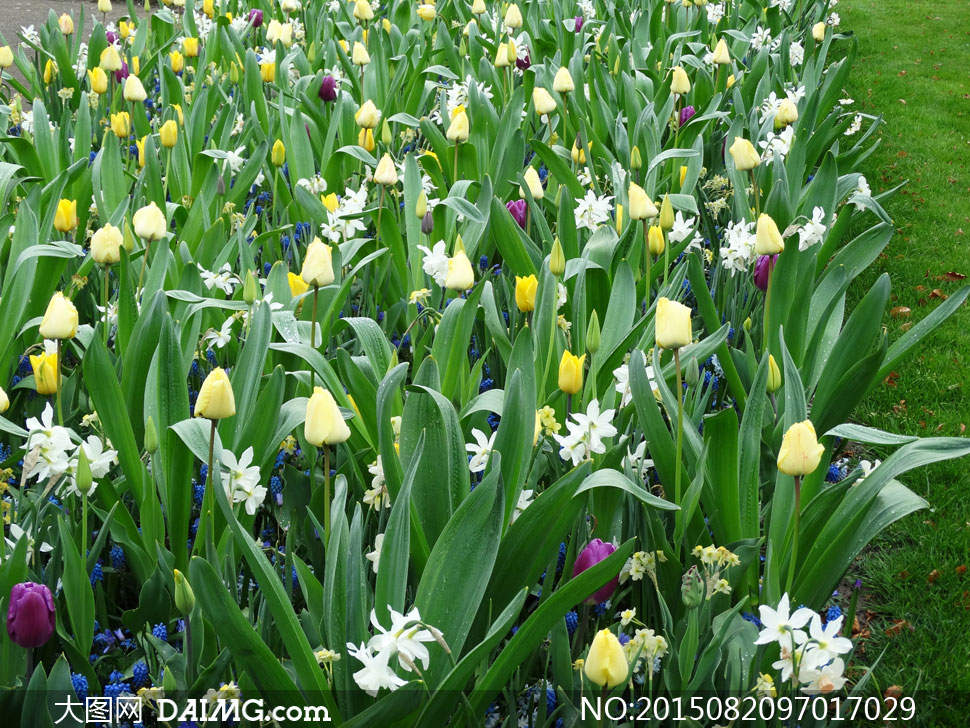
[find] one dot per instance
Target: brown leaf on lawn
(900, 311)
(951, 276)
(903, 102)
(937, 293)
(898, 626)
(961, 569)
(893, 693)
(933, 576)
(890, 381)
(906, 326)
(904, 574)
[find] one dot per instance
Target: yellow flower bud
(502, 56)
(324, 422)
(386, 173)
(191, 47)
(535, 184)
(606, 664)
(636, 160)
(50, 68)
(744, 154)
(169, 133)
(177, 60)
(818, 31)
(478, 7)
(641, 207)
(4, 401)
(774, 375)
(330, 201)
(278, 155)
(683, 174)
(543, 101)
(787, 113)
(461, 275)
(318, 264)
(360, 55)
(679, 83)
(458, 129)
(655, 240)
(44, 366)
(66, 24)
(563, 82)
(362, 10)
(800, 451)
(366, 140)
(427, 12)
(6, 57)
(150, 223)
(571, 372)
(421, 208)
(513, 17)
(297, 285)
(106, 245)
(557, 259)
(110, 59)
(768, 240)
(98, 79)
(216, 400)
(65, 218)
(619, 219)
(367, 115)
(525, 292)
(666, 214)
(267, 71)
(140, 145)
(60, 318)
(730, 81)
(721, 55)
(134, 90)
(121, 124)
(672, 326)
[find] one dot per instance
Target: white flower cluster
(241, 480)
(405, 640)
(586, 433)
(737, 253)
(343, 222)
(52, 454)
(811, 659)
(592, 211)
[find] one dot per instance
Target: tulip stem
(680, 426)
(794, 545)
(545, 369)
(666, 254)
(144, 263)
(313, 335)
(30, 666)
(755, 191)
(104, 298)
(528, 220)
(326, 494)
(209, 479)
(84, 525)
(646, 251)
(454, 177)
(380, 206)
(57, 381)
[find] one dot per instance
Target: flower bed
(475, 363)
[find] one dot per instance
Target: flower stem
(666, 255)
(104, 298)
(210, 481)
(757, 196)
(646, 251)
(380, 205)
(313, 335)
(454, 177)
(326, 494)
(680, 426)
(794, 545)
(57, 381)
(144, 263)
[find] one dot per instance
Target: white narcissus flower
(812, 231)
(480, 450)
(782, 627)
(241, 480)
(828, 679)
(592, 211)
(47, 446)
(824, 643)
(404, 638)
(375, 556)
(17, 533)
(682, 228)
(435, 262)
(375, 674)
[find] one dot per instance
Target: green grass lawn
(913, 68)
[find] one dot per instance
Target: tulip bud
(151, 436)
(513, 17)
(461, 275)
(60, 319)
(169, 133)
(787, 113)
(535, 184)
(636, 161)
(768, 240)
(134, 90)
(543, 101)
(366, 140)
(30, 618)
(818, 31)
(427, 223)
(800, 451)
(360, 56)
(66, 24)
(324, 423)
(747, 324)
(557, 259)
(421, 208)
(65, 217)
(427, 12)
(666, 214)
(106, 245)
(318, 264)
(478, 7)
(184, 596)
(774, 375)
(386, 173)
(641, 207)
(605, 663)
(6, 57)
(594, 552)
(216, 400)
(328, 89)
(44, 367)
(721, 55)
(619, 219)
(578, 153)
(98, 79)
(744, 154)
(563, 82)
(4, 401)
(672, 325)
(525, 292)
(593, 337)
(679, 83)
(82, 477)
(571, 374)
(362, 10)
(150, 222)
(502, 56)
(692, 588)
(367, 115)
(191, 47)
(458, 130)
(278, 156)
(655, 240)
(177, 61)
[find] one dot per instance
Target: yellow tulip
(297, 286)
(655, 240)
(458, 129)
(134, 90)
(318, 264)
(278, 155)
(191, 47)
(543, 101)
(818, 31)
(178, 110)
(513, 17)
(60, 318)
(461, 275)
(478, 7)
(427, 12)
(768, 240)
(216, 400)
(571, 372)
(4, 401)
(360, 55)
(679, 83)
(366, 140)
(641, 207)
(177, 60)
(169, 133)
(721, 55)
(386, 173)
(149, 222)
(6, 57)
(267, 72)
(619, 219)
(744, 154)
(124, 30)
(45, 372)
(800, 451)
(563, 81)
(774, 375)
(502, 56)
(363, 10)
(525, 292)
(557, 259)
(672, 324)
(367, 115)
(140, 145)
(65, 218)
(683, 174)
(106, 245)
(535, 184)
(104, 6)
(66, 24)
(121, 124)
(324, 423)
(208, 7)
(787, 113)
(50, 68)
(606, 664)
(98, 79)
(330, 201)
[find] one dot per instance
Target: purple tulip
(122, 73)
(256, 17)
(517, 208)
(524, 63)
(328, 89)
(111, 37)
(686, 113)
(30, 619)
(762, 270)
(595, 552)
(579, 23)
